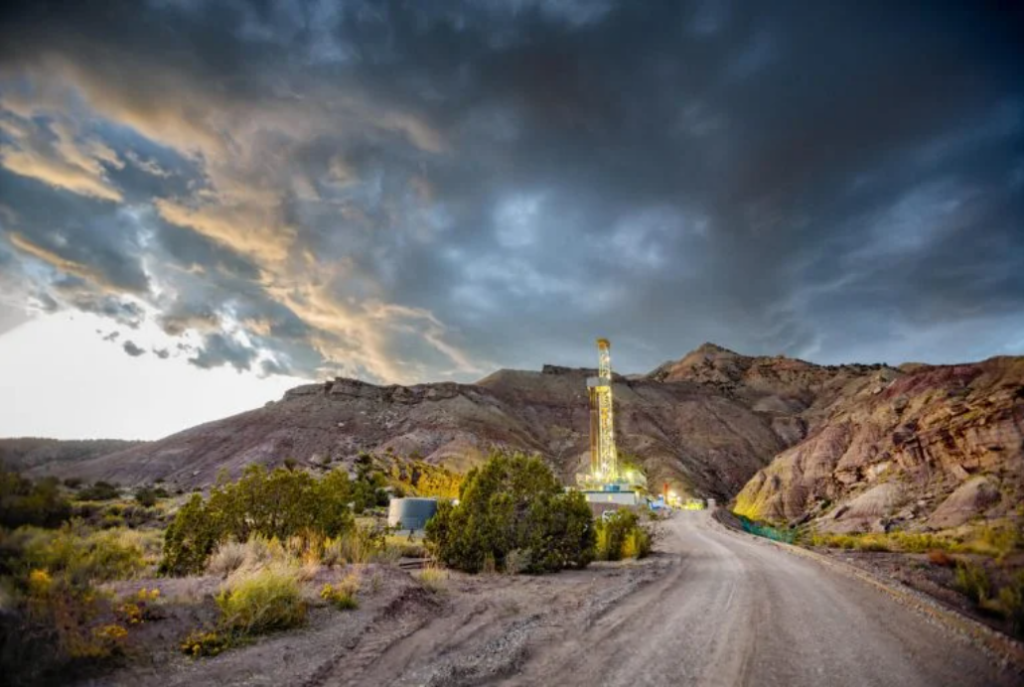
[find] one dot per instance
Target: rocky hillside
(932, 446)
(28, 452)
(708, 424)
(688, 435)
(705, 424)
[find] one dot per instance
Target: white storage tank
(411, 513)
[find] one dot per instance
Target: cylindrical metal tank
(410, 513)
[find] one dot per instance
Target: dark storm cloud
(219, 350)
(133, 349)
(412, 191)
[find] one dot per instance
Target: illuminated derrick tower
(603, 458)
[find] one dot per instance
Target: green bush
(423, 479)
(205, 643)
(23, 502)
(1011, 602)
(81, 556)
(101, 491)
(55, 618)
(512, 503)
(146, 497)
(279, 504)
(622, 536)
(972, 580)
(342, 596)
(261, 602)
(190, 539)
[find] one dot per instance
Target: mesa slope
(706, 424)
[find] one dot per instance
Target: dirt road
(738, 611)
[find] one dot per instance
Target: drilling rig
(603, 458)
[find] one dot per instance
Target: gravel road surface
(733, 610)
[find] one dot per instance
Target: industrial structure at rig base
(604, 483)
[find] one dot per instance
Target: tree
(146, 497)
(190, 539)
(23, 502)
(513, 503)
(280, 504)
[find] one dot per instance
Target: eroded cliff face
(933, 447)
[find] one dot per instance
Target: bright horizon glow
(59, 379)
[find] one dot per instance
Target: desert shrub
(190, 539)
(83, 557)
(139, 607)
(146, 497)
(622, 536)
(227, 558)
(62, 611)
(1011, 602)
(205, 643)
(513, 502)
(260, 602)
(54, 620)
(359, 545)
(433, 578)
(279, 504)
(23, 502)
(872, 541)
(993, 539)
(423, 479)
(940, 558)
(913, 542)
(100, 491)
(368, 488)
(972, 580)
(638, 543)
(909, 542)
(342, 596)
(73, 482)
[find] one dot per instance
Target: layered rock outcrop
(936, 446)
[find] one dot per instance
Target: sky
(203, 204)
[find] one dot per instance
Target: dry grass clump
(433, 578)
(254, 603)
(342, 595)
(227, 558)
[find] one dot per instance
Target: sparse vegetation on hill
(418, 478)
(23, 502)
(513, 507)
